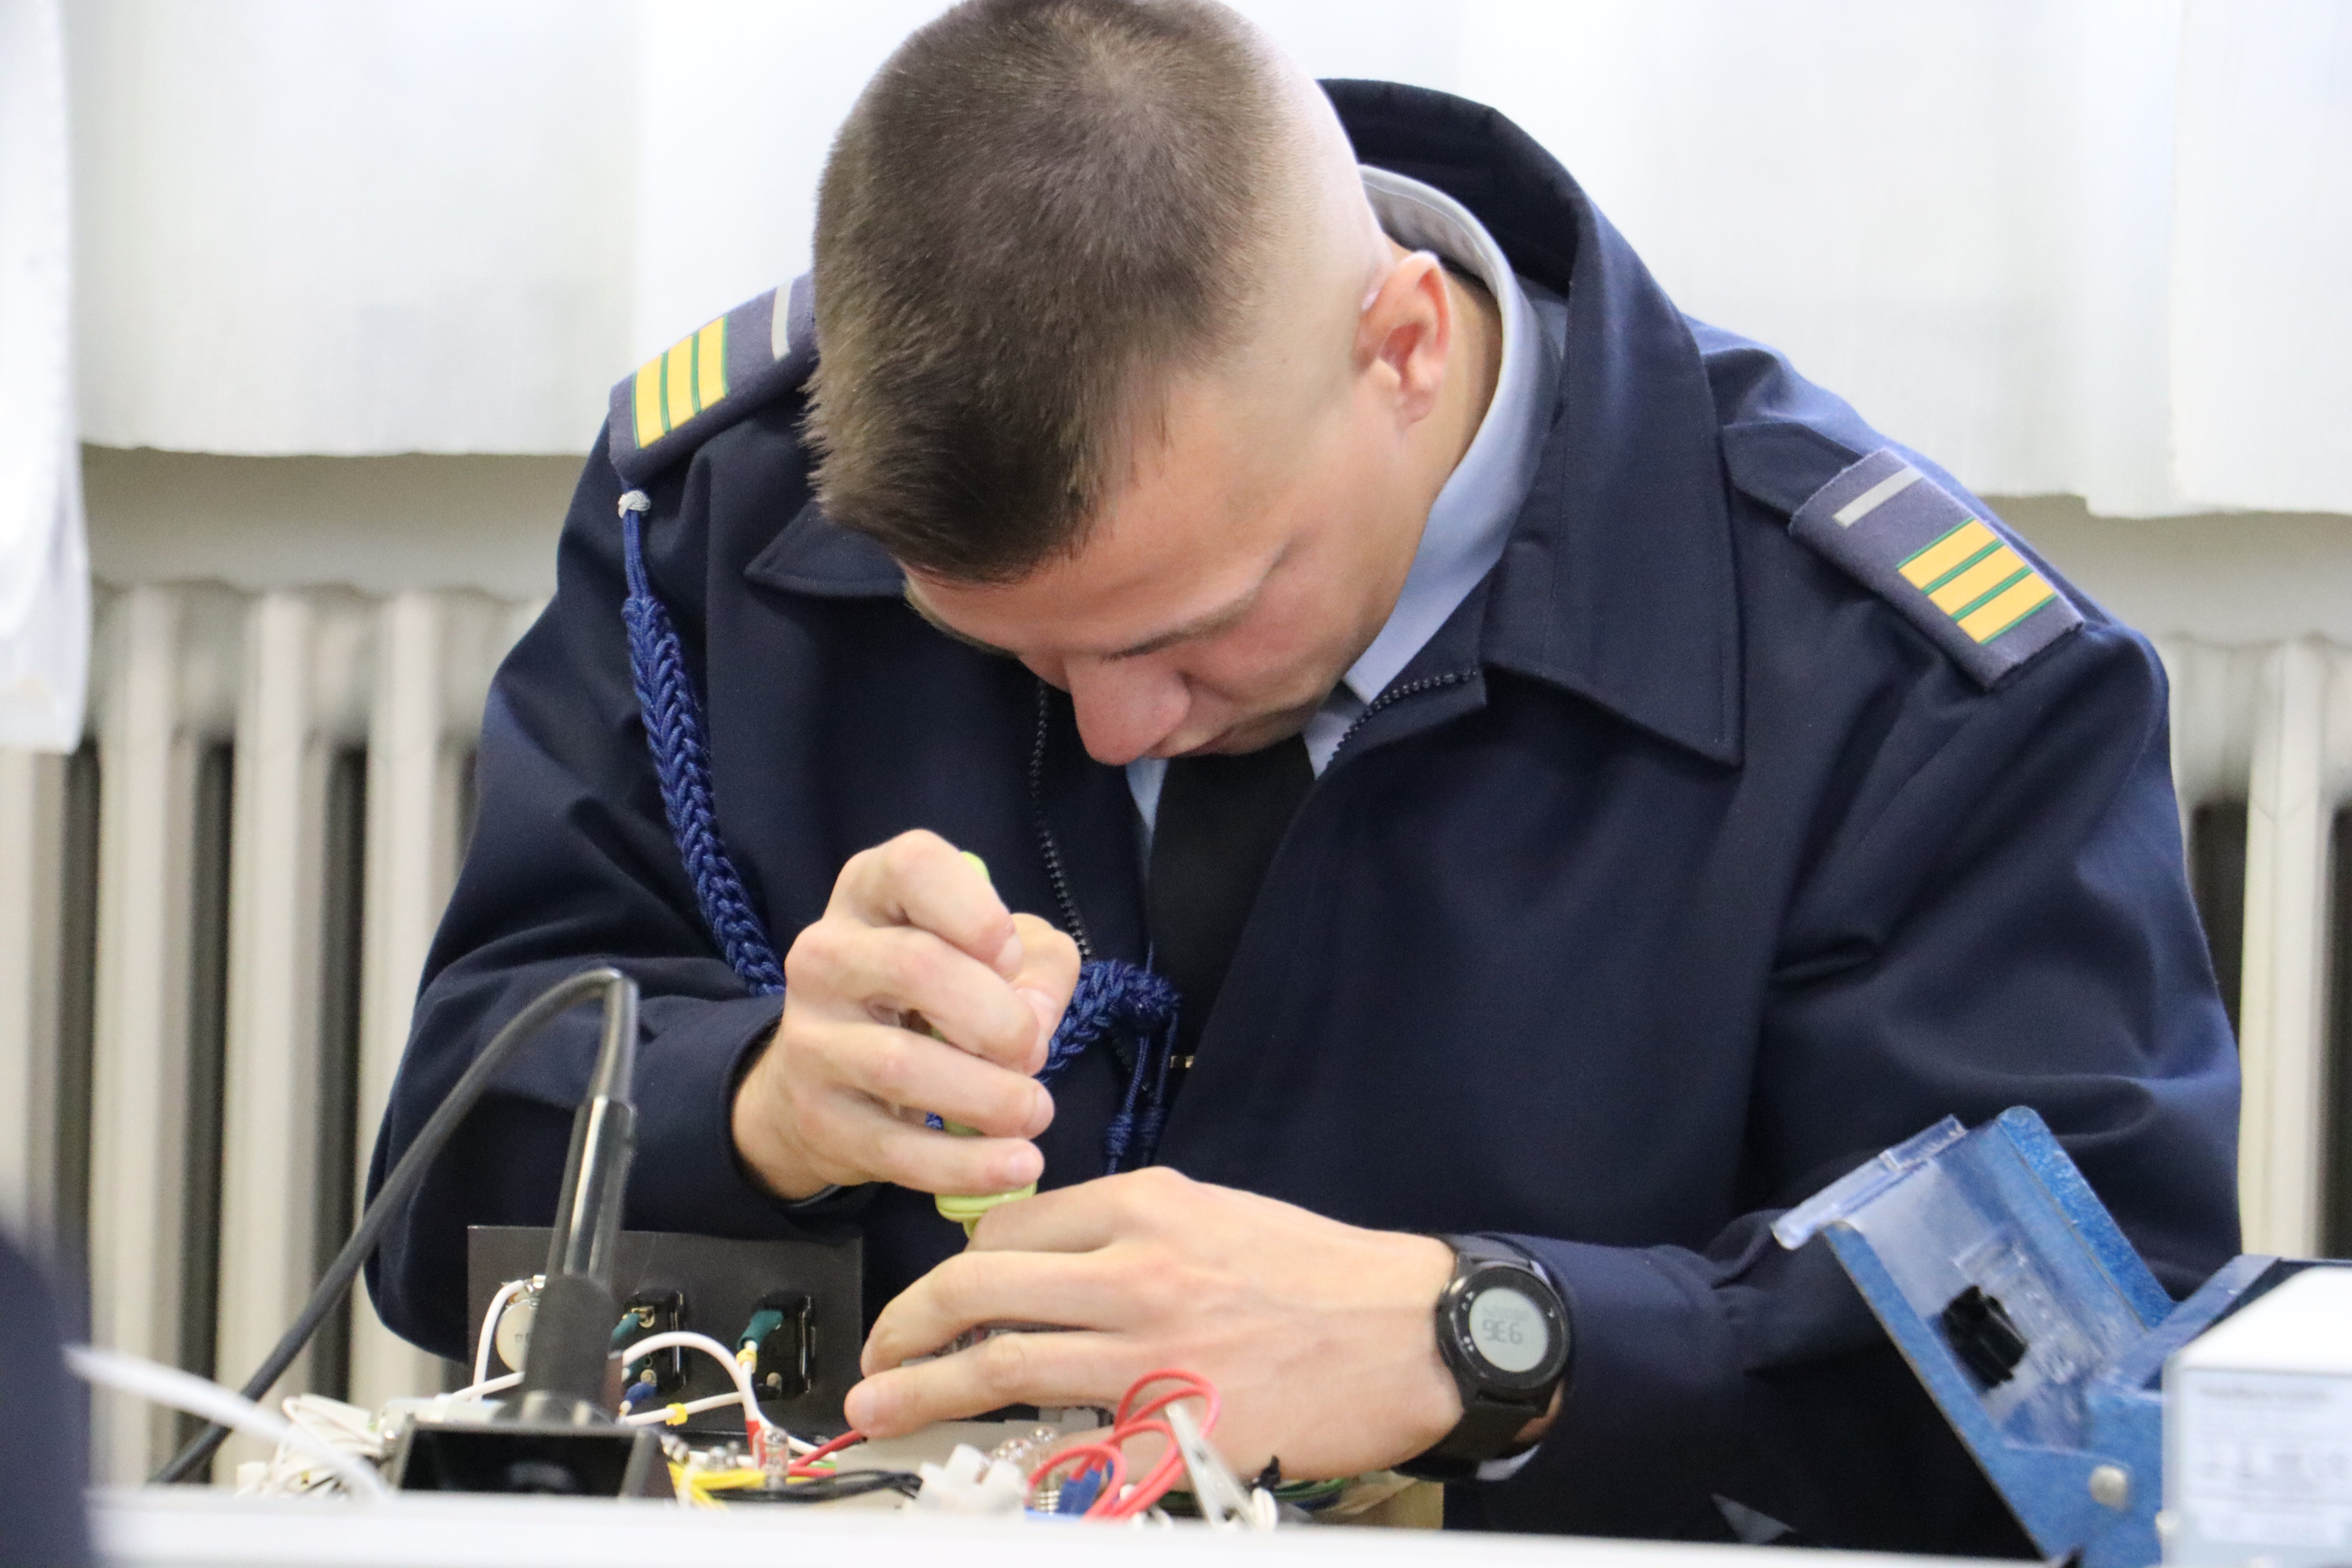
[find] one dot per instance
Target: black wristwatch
(1504, 1332)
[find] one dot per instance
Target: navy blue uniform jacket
(1679, 874)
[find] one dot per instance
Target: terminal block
(797, 1305)
(654, 1312)
(782, 1335)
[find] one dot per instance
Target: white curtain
(2095, 246)
(44, 571)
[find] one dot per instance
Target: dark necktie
(1219, 821)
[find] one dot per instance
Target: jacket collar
(812, 554)
(1617, 583)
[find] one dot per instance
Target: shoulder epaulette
(711, 378)
(1947, 566)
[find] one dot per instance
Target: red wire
(1156, 1482)
(848, 1439)
(1196, 1388)
(1134, 1418)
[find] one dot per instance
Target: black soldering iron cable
(394, 1195)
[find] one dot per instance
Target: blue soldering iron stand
(2029, 1318)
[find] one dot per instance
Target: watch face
(1508, 1329)
(1506, 1324)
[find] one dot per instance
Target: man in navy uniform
(1588, 788)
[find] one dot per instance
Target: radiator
(210, 927)
(212, 922)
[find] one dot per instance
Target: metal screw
(2111, 1486)
(775, 1380)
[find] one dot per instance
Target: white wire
(169, 1386)
(693, 1407)
(484, 1389)
(292, 1472)
(637, 1350)
(489, 1336)
(683, 1339)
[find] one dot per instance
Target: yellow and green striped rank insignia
(712, 377)
(1936, 558)
(679, 383)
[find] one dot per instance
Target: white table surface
(195, 1527)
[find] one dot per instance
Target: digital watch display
(1503, 1332)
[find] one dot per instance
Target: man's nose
(1125, 708)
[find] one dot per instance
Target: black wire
(392, 1197)
(827, 1488)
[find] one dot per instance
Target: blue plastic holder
(2030, 1319)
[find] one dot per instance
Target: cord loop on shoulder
(1114, 1001)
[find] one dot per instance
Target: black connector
(1984, 1336)
(654, 1312)
(786, 1368)
(556, 1460)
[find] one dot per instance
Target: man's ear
(1404, 333)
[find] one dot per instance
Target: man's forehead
(1107, 602)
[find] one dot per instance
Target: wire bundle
(1105, 1460)
(810, 1477)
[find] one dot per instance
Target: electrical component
(654, 1312)
(505, 1325)
(783, 1349)
(558, 1434)
(549, 1324)
(296, 1470)
(1098, 1487)
(719, 1285)
(756, 1426)
(2258, 1432)
(833, 1488)
(971, 1482)
(1222, 1501)
(2041, 1335)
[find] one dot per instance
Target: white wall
(2089, 246)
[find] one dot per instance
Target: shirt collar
(1472, 516)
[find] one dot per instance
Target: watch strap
(1485, 1433)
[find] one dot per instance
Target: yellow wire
(699, 1487)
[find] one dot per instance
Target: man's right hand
(914, 935)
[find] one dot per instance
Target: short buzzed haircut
(1038, 211)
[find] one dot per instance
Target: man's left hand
(1318, 1336)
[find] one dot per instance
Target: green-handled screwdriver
(966, 1210)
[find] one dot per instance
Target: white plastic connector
(971, 1482)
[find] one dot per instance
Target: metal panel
(167, 689)
(435, 652)
(303, 696)
(2271, 724)
(2302, 765)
